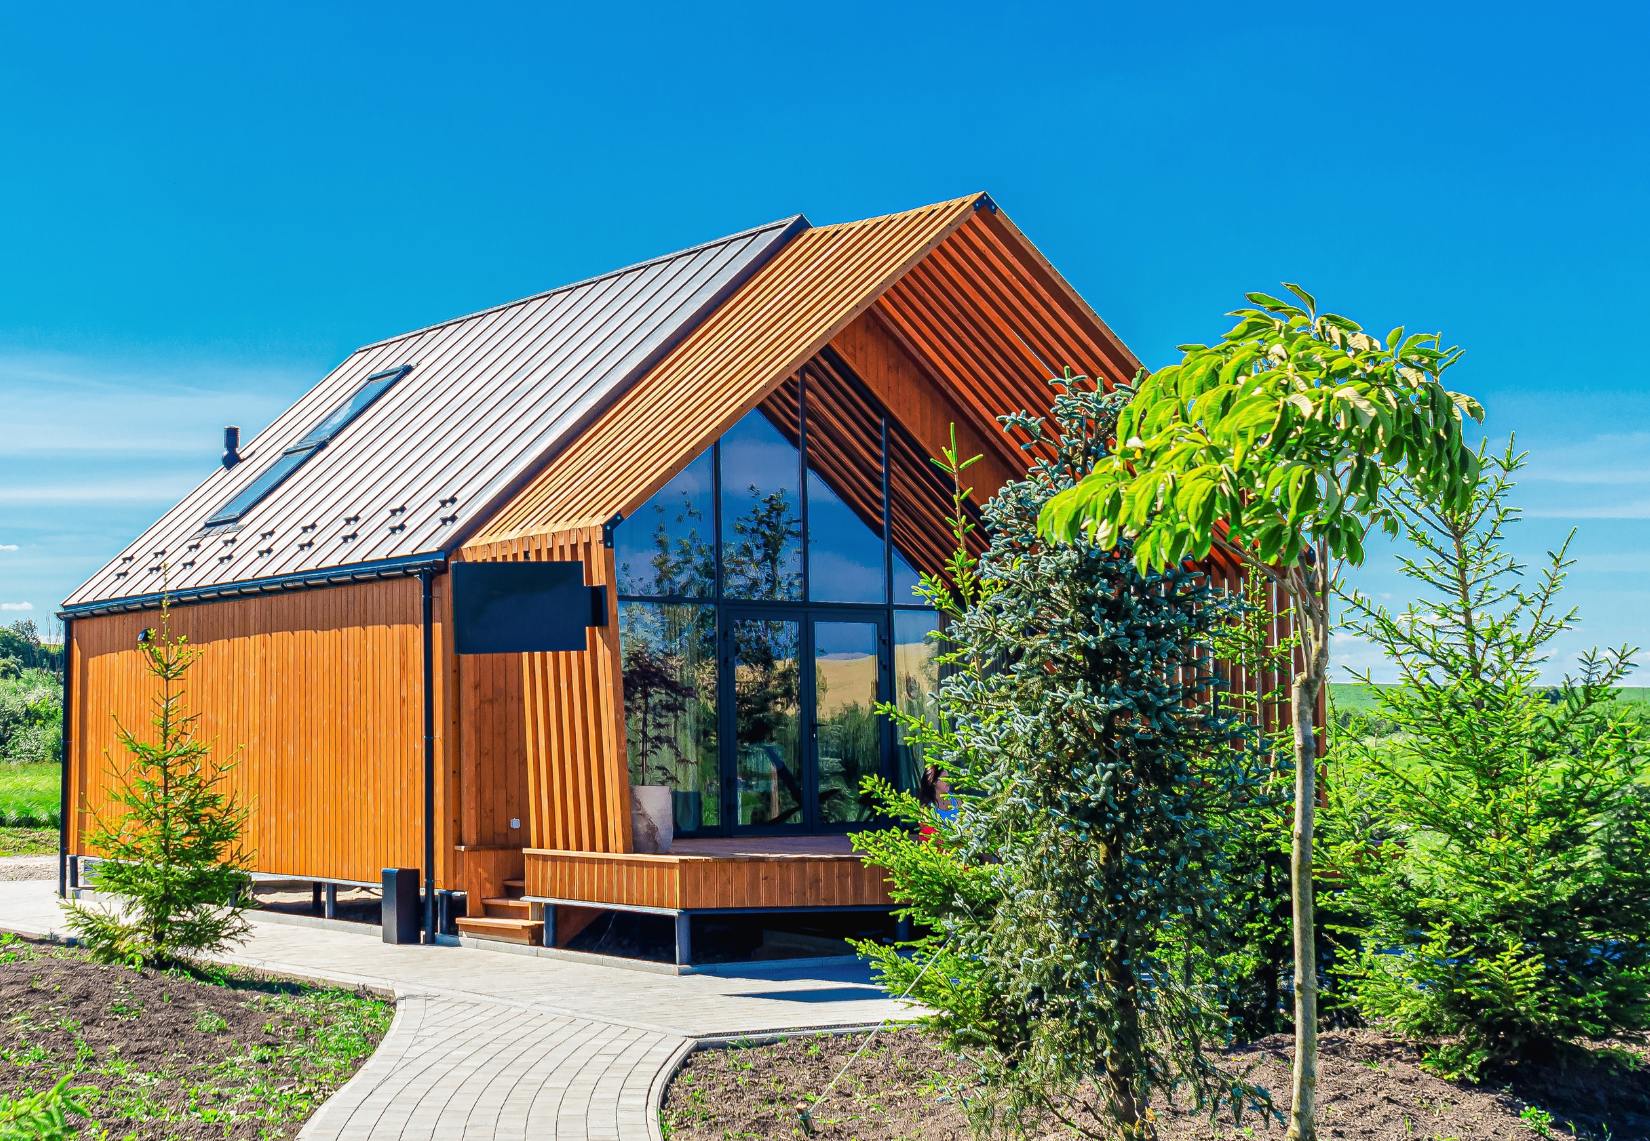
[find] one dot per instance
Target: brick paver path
(458, 1068)
(488, 1044)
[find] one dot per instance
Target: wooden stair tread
(505, 930)
(520, 885)
(501, 907)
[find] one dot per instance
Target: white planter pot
(652, 828)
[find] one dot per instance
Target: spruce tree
(172, 863)
(1491, 851)
(1075, 724)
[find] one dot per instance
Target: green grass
(1354, 698)
(28, 841)
(29, 795)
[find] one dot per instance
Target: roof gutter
(330, 576)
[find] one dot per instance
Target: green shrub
(1495, 850)
(31, 718)
(1085, 758)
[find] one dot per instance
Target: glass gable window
(762, 506)
(847, 559)
(294, 457)
(668, 549)
(916, 680)
(766, 609)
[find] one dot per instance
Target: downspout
(425, 578)
(63, 775)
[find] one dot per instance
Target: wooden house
(728, 448)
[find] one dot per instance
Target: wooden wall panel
(693, 882)
(917, 401)
(318, 693)
(550, 727)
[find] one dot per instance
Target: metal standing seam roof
(487, 397)
(765, 332)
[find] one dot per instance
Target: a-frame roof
(487, 398)
(955, 285)
(563, 410)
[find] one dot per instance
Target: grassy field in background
(1361, 698)
(29, 795)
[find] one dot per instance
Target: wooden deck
(781, 873)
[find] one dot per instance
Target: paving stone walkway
(458, 1068)
(490, 1044)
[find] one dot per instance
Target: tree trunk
(1304, 690)
(1131, 1119)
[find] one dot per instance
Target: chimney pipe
(231, 447)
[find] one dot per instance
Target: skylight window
(318, 437)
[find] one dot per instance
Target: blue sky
(205, 209)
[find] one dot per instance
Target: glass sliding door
(764, 675)
(848, 732)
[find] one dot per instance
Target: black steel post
(425, 578)
(63, 774)
(684, 939)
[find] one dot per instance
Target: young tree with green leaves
(1084, 757)
(1276, 442)
(1492, 852)
(172, 861)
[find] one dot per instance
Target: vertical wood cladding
(316, 695)
(546, 730)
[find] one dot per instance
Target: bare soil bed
(1371, 1088)
(170, 1054)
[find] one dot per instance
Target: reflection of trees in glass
(655, 699)
(762, 551)
(766, 685)
(850, 748)
(683, 564)
(669, 666)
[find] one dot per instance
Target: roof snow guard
(341, 488)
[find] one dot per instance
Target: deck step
(529, 931)
(499, 907)
(515, 889)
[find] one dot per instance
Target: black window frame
(806, 610)
(296, 455)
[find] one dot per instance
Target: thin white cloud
(1609, 459)
(1637, 507)
(1350, 657)
(58, 404)
(4, 547)
(16, 606)
(1619, 562)
(147, 489)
